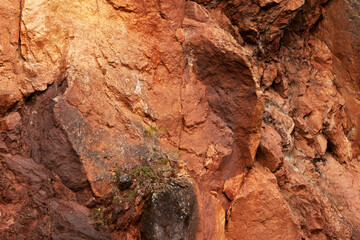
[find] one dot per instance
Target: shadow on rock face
(172, 213)
(48, 144)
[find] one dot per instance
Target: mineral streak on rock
(254, 105)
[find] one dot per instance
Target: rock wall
(226, 119)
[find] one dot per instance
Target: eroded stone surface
(34, 203)
(273, 220)
(270, 153)
(175, 206)
(82, 82)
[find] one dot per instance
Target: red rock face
(248, 110)
(271, 221)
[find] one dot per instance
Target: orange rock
(305, 148)
(10, 121)
(270, 153)
(232, 186)
(10, 72)
(89, 78)
(343, 185)
(3, 147)
(269, 75)
(259, 211)
(320, 144)
(214, 227)
(315, 122)
(340, 38)
(264, 3)
(283, 124)
(180, 35)
(258, 17)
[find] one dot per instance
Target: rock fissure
(19, 40)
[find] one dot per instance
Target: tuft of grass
(146, 132)
(145, 169)
(117, 175)
(152, 128)
(165, 160)
(130, 195)
(154, 132)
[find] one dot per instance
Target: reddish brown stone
(320, 144)
(270, 153)
(88, 89)
(269, 75)
(232, 186)
(259, 211)
(10, 121)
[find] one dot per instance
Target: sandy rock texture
(240, 117)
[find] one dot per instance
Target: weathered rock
(91, 203)
(282, 123)
(58, 154)
(10, 121)
(171, 213)
(77, 97)
(71, 221)
(320, 144)
(211, 49)
(10, 95)
(124, 182)
(261, 22)
(341, 36)
(342, 186)
(270, 153)
(214, 227)
(310, 202)
(270, 73)
(10, 84)
(259, 211)
(28, 207)
(232, 186)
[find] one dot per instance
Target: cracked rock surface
(253, 104)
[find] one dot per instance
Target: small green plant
(143, 173)
(146, 180)
(165, 160)
(152, 128)
(138, 170)
(130, 195)
(153, 131)
(159, 156)
(117, 175)
(95, 214)
(146, 132)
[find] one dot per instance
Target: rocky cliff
(180, 119)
